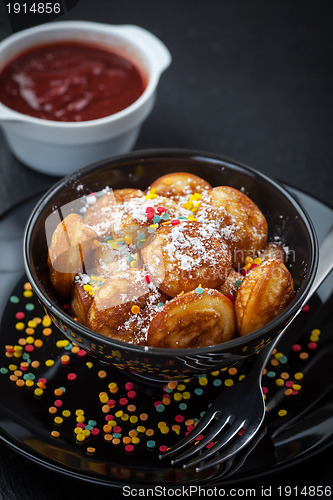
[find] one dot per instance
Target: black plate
(297, 425)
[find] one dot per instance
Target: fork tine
(202, 443)
(196, 431)
(227, 454)
(232, 432)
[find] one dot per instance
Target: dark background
(251, 80)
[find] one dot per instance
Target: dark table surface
(251, 80)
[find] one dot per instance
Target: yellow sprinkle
(133, 419)
(87, 288)
(46, 321)
(80, 437)
(66, 413)
(12, 368)
(161, 424)
(192, 218)
(279, 382)
(257, 260)
(181, 387)
(228, 382)
(30, 340)
(119, 413)
(79, 413)
(38, 391)
(135, 309)
(178, 396)
(298, 376)
(278, 355)
(128, 240)
(49, 362)
(86, 432)
(203, 381)
(282, 413)
(166, 223)
(78, 430)
(27, 294)
(151, 196)
(58, 420)
(114, 245)
(135, 440)
(125, 417)
(103, 398)
(164, 430)
(315, 331)
(249, 260)
(134, 264)
(195, 197)
(247, 266)
(297, 387)
(153, 226)
(19, 325)
(141, 428)
(97, 243)
(188, 204)
(215, 374)
(186, 395)
(80, 418)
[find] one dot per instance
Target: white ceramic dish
(59, 148)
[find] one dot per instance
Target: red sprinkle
(148, 279)
(230, 297)
(117, 428)
(289, 383)
(312, 346)
(209, 445)
(81, 353)
(296, 348)
(163, 448)
(42, 380)
(29, 348)
(131, 394)
(81, 425)
(129, 448)
(294, 393)
(129, 386)
(264, 390)
(174, 222)
(71, 376)
(160, 210)
(179, 418)
(123, 401)
(243, 272)
(111, 403)
(58, 403)
(20, 315)
(306, 308)
(94, 431)
(109, 417)
(67, 306)
(253, 265)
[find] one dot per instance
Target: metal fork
(239, 412)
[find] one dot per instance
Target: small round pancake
(69, 252)
(263, 294)
(192, 320)
(240, 221)
(179, 185)
(273, 251)
(181, 257)
(111, 312)
(229, 287)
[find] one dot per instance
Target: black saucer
(148, 416)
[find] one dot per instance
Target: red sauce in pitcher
(70, 82)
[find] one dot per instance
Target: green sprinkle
(117, 435)
(271, 374)
(14, 299)
(160, 408)
(199, 290)
(283, 360)
(141, 236)
(238, 282)
(165, 216)
(3, 371)
(30, 307)
(198, 391)
(183, 406)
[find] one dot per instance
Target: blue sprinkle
(14, 299)
(140, 244)
(160, 408)
(198, 391)
(93, 423)
(199, 290)
(3, 371)
(217, 382)
(156, 219)
(160, 304)
(141, 236)
(117, 435)
(151, 444)
(165, 216)
(283, 360)
(183, 406)
(271, 374)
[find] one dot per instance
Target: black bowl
(286, 219)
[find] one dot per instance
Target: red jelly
(70, 81)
